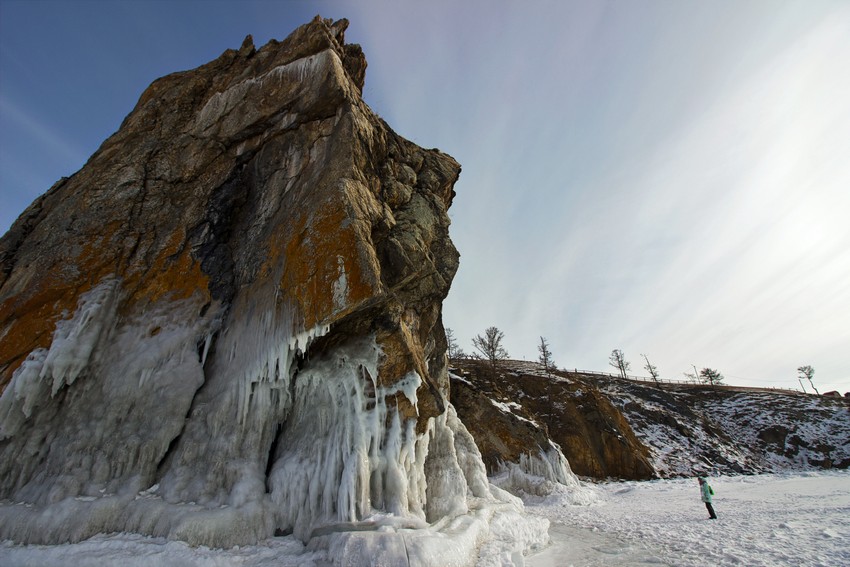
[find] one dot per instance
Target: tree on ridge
(490, 346)
(651, 368)
(618, 361)
(545, 356)
(710, 376)
(807, 372)
(453, 351)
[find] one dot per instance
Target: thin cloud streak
(29, 126)
(752, 277)
(20, 181)
(659, 208)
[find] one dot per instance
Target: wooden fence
(648, 380)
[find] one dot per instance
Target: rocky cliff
(730, 430)
(612, 428)
(518, 411)
(228, 324)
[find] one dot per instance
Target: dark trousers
(710, 511)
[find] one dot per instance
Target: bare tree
(490, 346)
(545, 356)
(651, 368)
(710, 376)
(454, 351)
(807, 372)
(693, 378)
(618, 361)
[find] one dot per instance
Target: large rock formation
(516, 414)
(607, 427)
(228, 323)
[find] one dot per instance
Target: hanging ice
(346, 457)
(542, 473)
(69, 354)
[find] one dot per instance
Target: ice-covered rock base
(493, 530)
(491, 533)
(494, 534)
(345, 470)
(538, 477)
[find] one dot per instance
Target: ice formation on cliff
(349, 471)
(540, 475)
(344, 448)
(61, 364)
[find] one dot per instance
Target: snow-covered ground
(763, 520)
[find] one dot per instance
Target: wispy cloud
(30, 148)
(28, 125)
(754, 193)
(663, 181)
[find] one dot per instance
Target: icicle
(24, 392)
(345, 452)
(408, 386)
(144, 376)
(263, 349)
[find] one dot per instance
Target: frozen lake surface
(764, 520)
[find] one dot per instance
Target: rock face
(730, 430)
(518, 413)
(626, 429)
(228, 323)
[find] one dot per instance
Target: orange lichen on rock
(323, 272)
(29, 325)
(174, 274)
(28, 319)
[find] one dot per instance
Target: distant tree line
(489, 347)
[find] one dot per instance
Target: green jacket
(706, 491)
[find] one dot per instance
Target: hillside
(610, 427)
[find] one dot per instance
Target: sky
(671, 179)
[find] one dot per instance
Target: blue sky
(668, 178)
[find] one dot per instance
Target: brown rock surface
(593, 435)
(251, 222)
(607, 426)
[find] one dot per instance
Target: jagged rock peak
(236, 303)
(247, 48)
(311, 38)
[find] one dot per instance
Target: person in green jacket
(706, 492)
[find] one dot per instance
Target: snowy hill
(609, 427)
(733, 430)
